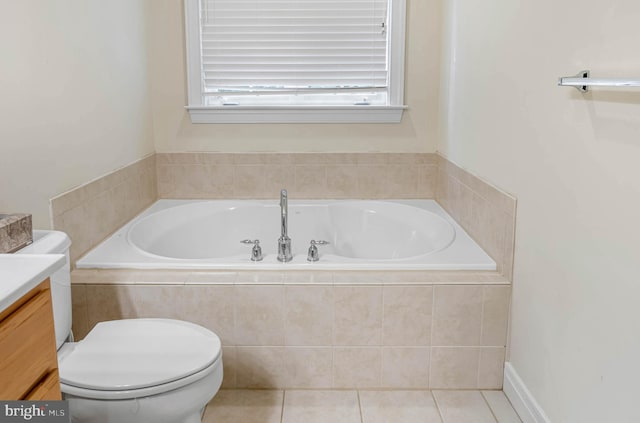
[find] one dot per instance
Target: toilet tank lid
(47, 242)
(139, 353)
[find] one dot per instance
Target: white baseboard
(523, 402)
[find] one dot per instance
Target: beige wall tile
(249, 181)
(457, 315)
(158, 301)
(454, 367)
(307, 368)
(260, 367)
(407, 315)
(251, 158)
(463, 407)
(259, 315)
(321, 407)
(509, 247)
(110, 302)
(284, 367)
(76, 224)
(245, 407)
(229, 367)
(398, 406)
(219, 181)
(402, 180)
(427, 179)
(358, 367)
(491, 368)
(309, 315)
(216, 158)
(211, 307)
(342, 181)
(306, 175)
(405, 368)
(311, 181)
(373, 158)
(80, 312)
(177, 158)
(372, 181)
(358, 315)
(487, 213)
(69, 200)
(278, 177)
(495, 315)
(93, 211)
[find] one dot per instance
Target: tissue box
(16, 231)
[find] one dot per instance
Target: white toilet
(130, 371)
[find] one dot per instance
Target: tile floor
(294, 406)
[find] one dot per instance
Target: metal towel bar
(582, 81)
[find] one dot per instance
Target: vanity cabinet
(28, 358)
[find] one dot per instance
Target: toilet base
(183, 405)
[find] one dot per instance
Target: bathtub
(362, 235)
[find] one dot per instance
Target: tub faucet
(284, 242)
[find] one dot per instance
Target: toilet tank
(56, 242)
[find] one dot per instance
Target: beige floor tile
(501, 407)
(231, 406)
(398, 407)
(321, 407)
(463, 407)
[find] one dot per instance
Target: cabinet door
(27, 347)
(48, 389)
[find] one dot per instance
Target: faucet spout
(284, 213)
(284, 242)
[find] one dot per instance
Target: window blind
(298, 46)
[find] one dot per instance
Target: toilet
(133, 370)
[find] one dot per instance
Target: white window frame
(391, 113)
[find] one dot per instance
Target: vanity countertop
(19, 273)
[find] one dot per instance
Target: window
(295, 60)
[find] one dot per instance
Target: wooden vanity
(28, 357)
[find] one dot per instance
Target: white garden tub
(372, 235)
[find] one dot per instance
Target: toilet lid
(139, 353)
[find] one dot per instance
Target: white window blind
(295, 61)
(294, 52)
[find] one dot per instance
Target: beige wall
(572, 162)
(175, 133)
(74, 97)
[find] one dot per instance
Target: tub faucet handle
(256, 251)
(313, 254)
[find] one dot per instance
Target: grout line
(433, 309)
(489, 406)
(435, 401)
(484, 300)
(284, 392)
(360, 406)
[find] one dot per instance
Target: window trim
(296, 114)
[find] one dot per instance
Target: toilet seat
(138, 357)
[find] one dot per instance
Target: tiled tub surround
(305, 175)
(92, 212)
(485, 212)
(319, 330)
(351, 330)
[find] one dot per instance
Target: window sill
(298, 114)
